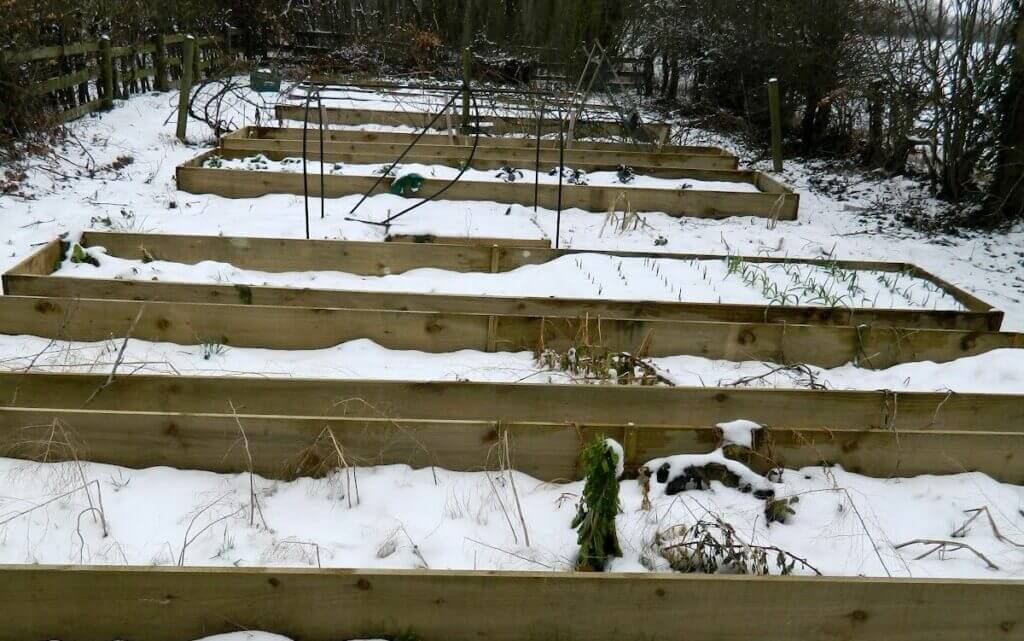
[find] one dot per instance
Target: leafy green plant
(595, 516)
(79, 255)
(409, 183)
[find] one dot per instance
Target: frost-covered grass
(580, 276)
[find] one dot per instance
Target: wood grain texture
(286, 447)
(316, 328)
(356, 135)
(72, 287)
(171, 604)
(521, 402)
(499, 125)
(239, 183)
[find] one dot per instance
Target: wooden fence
(83, 77)
(89, 603)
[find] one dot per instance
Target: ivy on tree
(595, 516)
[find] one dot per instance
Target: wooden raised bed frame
(191, 423)
(299, 328)
(493, 124)
(373, 147)
(93, 603)
(776, 201)
(32, 277)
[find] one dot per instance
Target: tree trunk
(673, 78)
(1006, 200)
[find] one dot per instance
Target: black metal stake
(561, 170)
(320, 116)
(407, 150)
(305, 180)
(536, 177)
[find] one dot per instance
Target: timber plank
(123, 289)
(315, 328)
(355, 135)
(371, 258)
(239, 183)
(886, 411)
(286, 447)
(92, 603)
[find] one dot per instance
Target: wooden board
(468, 240)
(296, 328)
(376, 259)
(286, 447)
(92, 603)
(124, 289)
(520, 402)
(239, 183)
(488, 158)
(514, 151)
(492, 123)
(526, 142)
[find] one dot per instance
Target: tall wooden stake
(188, 48)
(776, 115)
(160, 63)
(467, 70)
(107, 71)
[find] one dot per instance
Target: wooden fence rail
(91, 603)
(82, 77)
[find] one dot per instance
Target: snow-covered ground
(116, 171)
(397, 517)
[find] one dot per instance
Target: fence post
(188, 48)
(160, 75)
(467, 70)
(776, 116)
(107, 72)
(197, 72)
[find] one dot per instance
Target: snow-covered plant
(712, 546)
(599, 505)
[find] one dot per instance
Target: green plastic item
(412, 182)
(263, 80)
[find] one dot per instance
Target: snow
(260, 162)
(577, 276)
(845, 524)
(620, 456)
(739, 432)
(405, 518)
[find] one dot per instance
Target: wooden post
(467, 69)
(188, 47)
(160, 75)
(776, 116)
(197, 71)
(107, 72)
